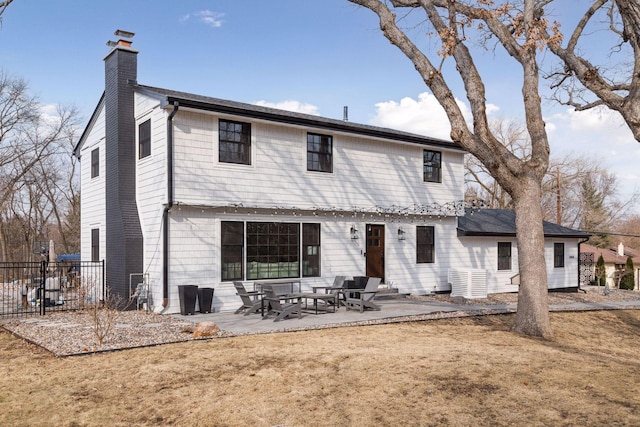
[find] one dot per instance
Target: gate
(586, 268)
(31, 288)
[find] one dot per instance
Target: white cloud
(602, 134)
(291, 105)
(207, 17)
(424, 116)
(49, 114)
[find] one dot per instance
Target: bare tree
(3, 6)
(520, 32)
(30, 156)
(479, 184)
(588, 78)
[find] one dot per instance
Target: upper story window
(432, 166)
(95, 163)
(425, 244)
(234, 142)
(504, 255)
(558, 255)
(144, 139)
(319, 153)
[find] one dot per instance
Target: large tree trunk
(532, 317)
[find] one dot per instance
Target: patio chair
(363, 299)
(251, 302)
(278, 304)
(334, 289)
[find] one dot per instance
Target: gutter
(167, 208)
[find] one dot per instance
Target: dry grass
(466, 371)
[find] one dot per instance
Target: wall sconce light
(354, 232)
(401, 234)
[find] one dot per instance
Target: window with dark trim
(504, 255)
(558, 255)
(234, 142)
(144, 139)
(310, 250)
(425, 244)
(95, 163)
(432, 166)
(319, 153)
(95, 244)
(273, 250)
(231, 251)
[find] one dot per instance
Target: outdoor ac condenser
(471, 283)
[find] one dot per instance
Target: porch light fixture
(401, 234)
(354, 232)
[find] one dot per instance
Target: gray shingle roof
(502, 222)
(283, 116)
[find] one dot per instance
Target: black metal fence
(30, 288)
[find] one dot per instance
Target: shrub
(627, 281)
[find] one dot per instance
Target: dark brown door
(375, 251)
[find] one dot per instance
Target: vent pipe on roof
(345, 115)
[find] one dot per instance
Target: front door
(375, 251)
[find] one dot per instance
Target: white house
(195, 190)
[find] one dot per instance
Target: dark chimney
(123, 231)
(345, 113)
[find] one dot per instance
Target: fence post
(104, 283)
(43, 281)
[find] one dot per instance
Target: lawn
(462, 372)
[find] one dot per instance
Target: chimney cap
(123, 33)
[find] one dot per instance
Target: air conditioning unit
(469, 283)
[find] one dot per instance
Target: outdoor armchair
(251, 300)
(280, 305)
(363, 299)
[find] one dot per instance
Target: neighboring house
(193, 190)
(614, 261)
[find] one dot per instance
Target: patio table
(320, 296)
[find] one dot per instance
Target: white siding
(562, 277)
(367, 173)
(482, 253)
(151, 191)
(92, 201)
(195, 254)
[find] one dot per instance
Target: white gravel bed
(73, 332)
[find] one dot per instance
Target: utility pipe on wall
(167, 208)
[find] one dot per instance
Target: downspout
(585, 240)
(167, 208)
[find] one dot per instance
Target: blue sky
(311, 56)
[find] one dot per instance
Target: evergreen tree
(601, 275)
(594, 212)
(627, 278)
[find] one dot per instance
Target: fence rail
(32, 288)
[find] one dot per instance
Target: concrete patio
(392, 310)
